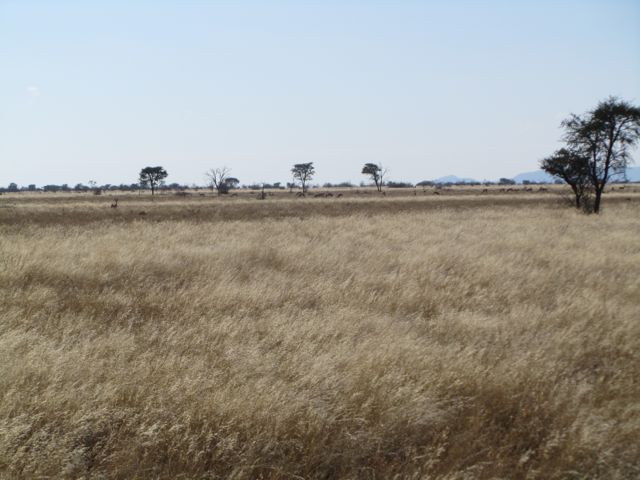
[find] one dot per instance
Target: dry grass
(417, 338)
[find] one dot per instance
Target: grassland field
(458, 335)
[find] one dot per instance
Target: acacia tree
(605, 136)
(220, 180)
(231, 183)
(303, 172)
(376, 172)
(573, 168)
(152, 177)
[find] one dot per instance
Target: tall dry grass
(493, 342)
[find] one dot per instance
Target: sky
(97, 90)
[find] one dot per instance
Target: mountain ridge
(534, 176)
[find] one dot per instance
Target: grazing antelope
(115, 204)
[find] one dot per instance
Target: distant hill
(454, 179)
(538, 176)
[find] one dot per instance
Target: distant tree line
(220, 181)
(597, 152)
(164, 187)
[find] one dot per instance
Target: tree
(232, 183)
(13, 187)
(376, 172)
(152, 177)
(506, 181)
(573, 168)
(303, 172)
(604, 135)
(220, 180)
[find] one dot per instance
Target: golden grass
(416, 338)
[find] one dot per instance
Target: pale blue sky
(99, 89)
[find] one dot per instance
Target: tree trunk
(596, 202)
(577, 195)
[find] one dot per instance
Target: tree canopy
(571, 167)
(152, 177)
(605, 136)
(303, 172)
(220, 180)
(376, 172)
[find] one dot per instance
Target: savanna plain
(455, 336)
